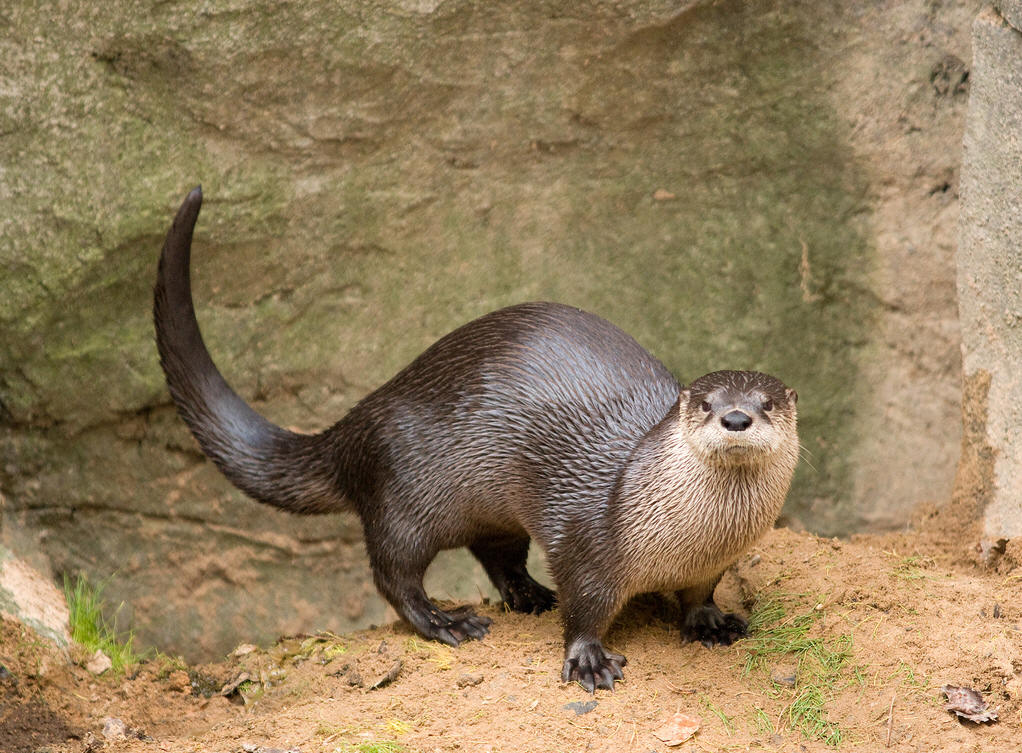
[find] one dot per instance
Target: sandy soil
(883, 623)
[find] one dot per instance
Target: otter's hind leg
(703, 621)
(504, 561)
(398, 577)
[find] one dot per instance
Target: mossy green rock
(375, 175)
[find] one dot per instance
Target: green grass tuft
(382, 746)
(761, 722)
(774, 634)
(806, 713)
(725, 720)
(90, 630)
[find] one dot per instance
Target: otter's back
(532, 409)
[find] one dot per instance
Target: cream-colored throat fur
(684, 519)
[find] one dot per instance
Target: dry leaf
(968, 704)
(677, 729)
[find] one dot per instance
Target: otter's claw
(592, 667)
(457, 631)
(452, 627)
(463, 624)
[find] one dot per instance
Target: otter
(538, 422)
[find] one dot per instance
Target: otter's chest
(688, 534)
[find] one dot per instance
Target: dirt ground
(880, 625)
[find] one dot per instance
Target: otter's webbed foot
(591, 666)
(523, 594)
(708, 625)
(448, 627)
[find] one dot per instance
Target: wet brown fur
(536, 422)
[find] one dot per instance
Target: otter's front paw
(708, 625)
(592, 667)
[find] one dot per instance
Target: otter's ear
(791, 395)
(685, 395)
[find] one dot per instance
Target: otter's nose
(736, 421)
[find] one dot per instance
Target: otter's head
(739, 417)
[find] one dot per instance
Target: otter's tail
(292, 471)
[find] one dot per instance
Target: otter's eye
(768, 404)
(705, 406)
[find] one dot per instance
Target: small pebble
(99, 663)
(785, 676)
(581, 707)
(114, 729)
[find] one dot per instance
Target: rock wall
(767, 185)
(30, 598)
(990, 272)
